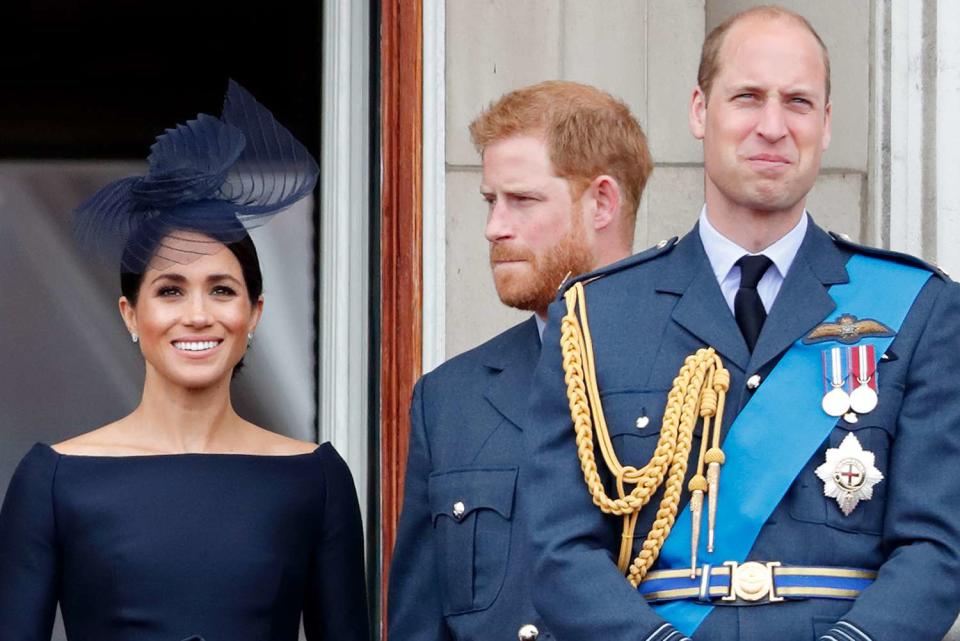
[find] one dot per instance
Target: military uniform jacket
(461, 566)
(646, 315)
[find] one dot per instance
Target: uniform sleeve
(415, 610)
(335, 608)
(581, 593)
(915, 596)
(29, 562)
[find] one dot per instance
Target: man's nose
(772, 125)
(498, 226)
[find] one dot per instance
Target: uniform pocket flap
(458, 493)
(634, 413)
(884, 416)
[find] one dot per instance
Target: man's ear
(698, 113)
(605, 193)
(827, 111)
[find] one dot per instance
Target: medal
(836, 401)
(849, 474)
(863, 398)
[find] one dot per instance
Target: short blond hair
(588, 133)
(710, 54)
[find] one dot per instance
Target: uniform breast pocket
(852, 471)
(472, 518)
(634, 419)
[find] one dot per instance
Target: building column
(948, 135)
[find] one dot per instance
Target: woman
(182, 520)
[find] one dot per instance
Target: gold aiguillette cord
(698, 391)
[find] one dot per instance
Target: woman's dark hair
(243, 249)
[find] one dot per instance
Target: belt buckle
(752, 582)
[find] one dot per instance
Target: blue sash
(751, 488)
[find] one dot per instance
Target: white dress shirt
(723, 255)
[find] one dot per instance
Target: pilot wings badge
(849, 474)
(847, 329)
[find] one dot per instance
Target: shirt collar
(723, 253)
(541, 324)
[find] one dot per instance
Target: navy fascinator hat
(220, 177)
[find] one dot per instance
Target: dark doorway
(100, 78)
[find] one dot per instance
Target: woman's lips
(197, 348)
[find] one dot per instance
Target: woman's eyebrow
(216, 277)
(178, 278)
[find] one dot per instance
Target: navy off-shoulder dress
(219, 547)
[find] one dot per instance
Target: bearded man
(564, 166)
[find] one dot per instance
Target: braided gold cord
(697, 391)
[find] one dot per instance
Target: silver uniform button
(528, 632)
(458, 509)
(753, 382)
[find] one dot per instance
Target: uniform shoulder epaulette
(846, 242)
(661, 248)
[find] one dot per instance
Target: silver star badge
(849, 474)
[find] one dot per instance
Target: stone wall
(645, 52)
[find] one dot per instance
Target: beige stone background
(647, 52)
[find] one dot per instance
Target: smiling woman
(182, 519)
(203, 293)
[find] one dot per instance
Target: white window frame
(343, 403)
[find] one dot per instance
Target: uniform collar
(802, 303)
(723, 253)
(541, 325)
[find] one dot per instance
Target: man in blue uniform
(817, 437)
(564, 166)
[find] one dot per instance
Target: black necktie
(747, 306)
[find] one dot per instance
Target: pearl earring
(134, 337)
(249, 339)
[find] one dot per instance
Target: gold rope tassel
(696, 513)
(698, 484)
(715, 458)
(700, 386)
